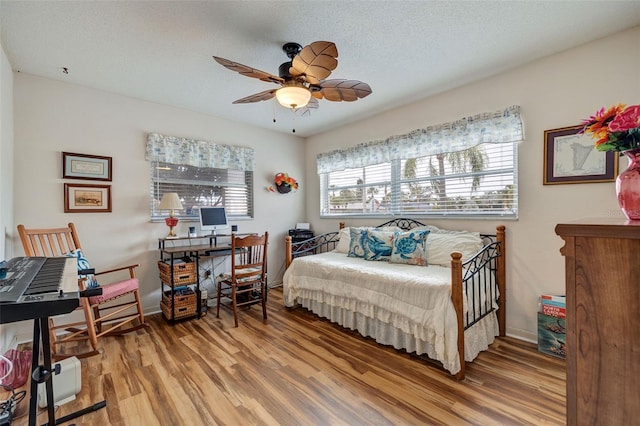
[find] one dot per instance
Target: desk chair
(103, 317)
(246, 284)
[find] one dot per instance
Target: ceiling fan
(303, 78)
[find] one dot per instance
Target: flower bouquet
(283, 184)
(616, 128)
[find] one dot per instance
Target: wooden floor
(298, 369)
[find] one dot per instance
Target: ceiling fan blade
(315, 61)
(339, 90)
(248, 71)
(257, 97)
(306, 110)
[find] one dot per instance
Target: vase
(628, 186)
(283, 188)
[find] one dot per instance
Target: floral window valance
(175, 150)
(495, 127)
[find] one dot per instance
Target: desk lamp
(171, 201)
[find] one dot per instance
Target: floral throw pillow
(379, 245)
(357, 242)
(410, 247)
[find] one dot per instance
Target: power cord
(206, 272)
(8, 406)
(278, 274)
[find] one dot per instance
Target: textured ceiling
(405, 50)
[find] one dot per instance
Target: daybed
(422, 303)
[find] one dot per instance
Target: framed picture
(570, 157)
(83, 166)
(87, 198)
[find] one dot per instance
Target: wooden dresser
(602, 260)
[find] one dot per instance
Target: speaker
(192, 232)
(234, 228)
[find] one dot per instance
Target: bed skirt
(477, 338)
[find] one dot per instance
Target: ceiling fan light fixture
(293, 96)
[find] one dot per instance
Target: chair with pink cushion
(116, 311)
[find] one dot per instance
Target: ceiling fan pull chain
(293, 112)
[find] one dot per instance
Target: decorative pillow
(441, 244)
(390, 229)
(410, 247)
(357, 242)
(345, 237)
(432, 229)
(378, 245)
(344, 241)
(83, 264)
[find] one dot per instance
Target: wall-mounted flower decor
(283, 183)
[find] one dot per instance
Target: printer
(298, 234)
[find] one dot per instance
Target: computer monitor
(213, 219)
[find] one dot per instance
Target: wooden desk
(196, 249)
(197, 244)
(179, 266)
(190, 249)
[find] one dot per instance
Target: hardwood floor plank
(139, 411)
(299, 369)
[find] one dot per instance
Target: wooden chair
(103, 316)
(246, 284)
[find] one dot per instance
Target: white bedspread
(406, 306)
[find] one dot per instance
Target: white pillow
(432, 229)
(440, 246)
(344, 241)
(390, 229)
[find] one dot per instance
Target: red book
(554, 311)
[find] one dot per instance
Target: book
(554, 311)
(551, 335)
(548, 298)
(546, 302)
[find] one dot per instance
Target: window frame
(156, 194)
(396, 182)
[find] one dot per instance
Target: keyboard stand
(43, 374)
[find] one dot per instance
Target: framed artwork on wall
(87, 198)
(571, 157)
(83, 166)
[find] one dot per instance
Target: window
(203, 174)
(466, 168)
(479, 181)
(202, 187)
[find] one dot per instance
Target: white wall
(6, 172)
(554, 92)
(6, 152)
(53, 116)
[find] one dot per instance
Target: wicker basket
(186, 304)
(183, 273)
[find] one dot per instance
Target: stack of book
(554, 306)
